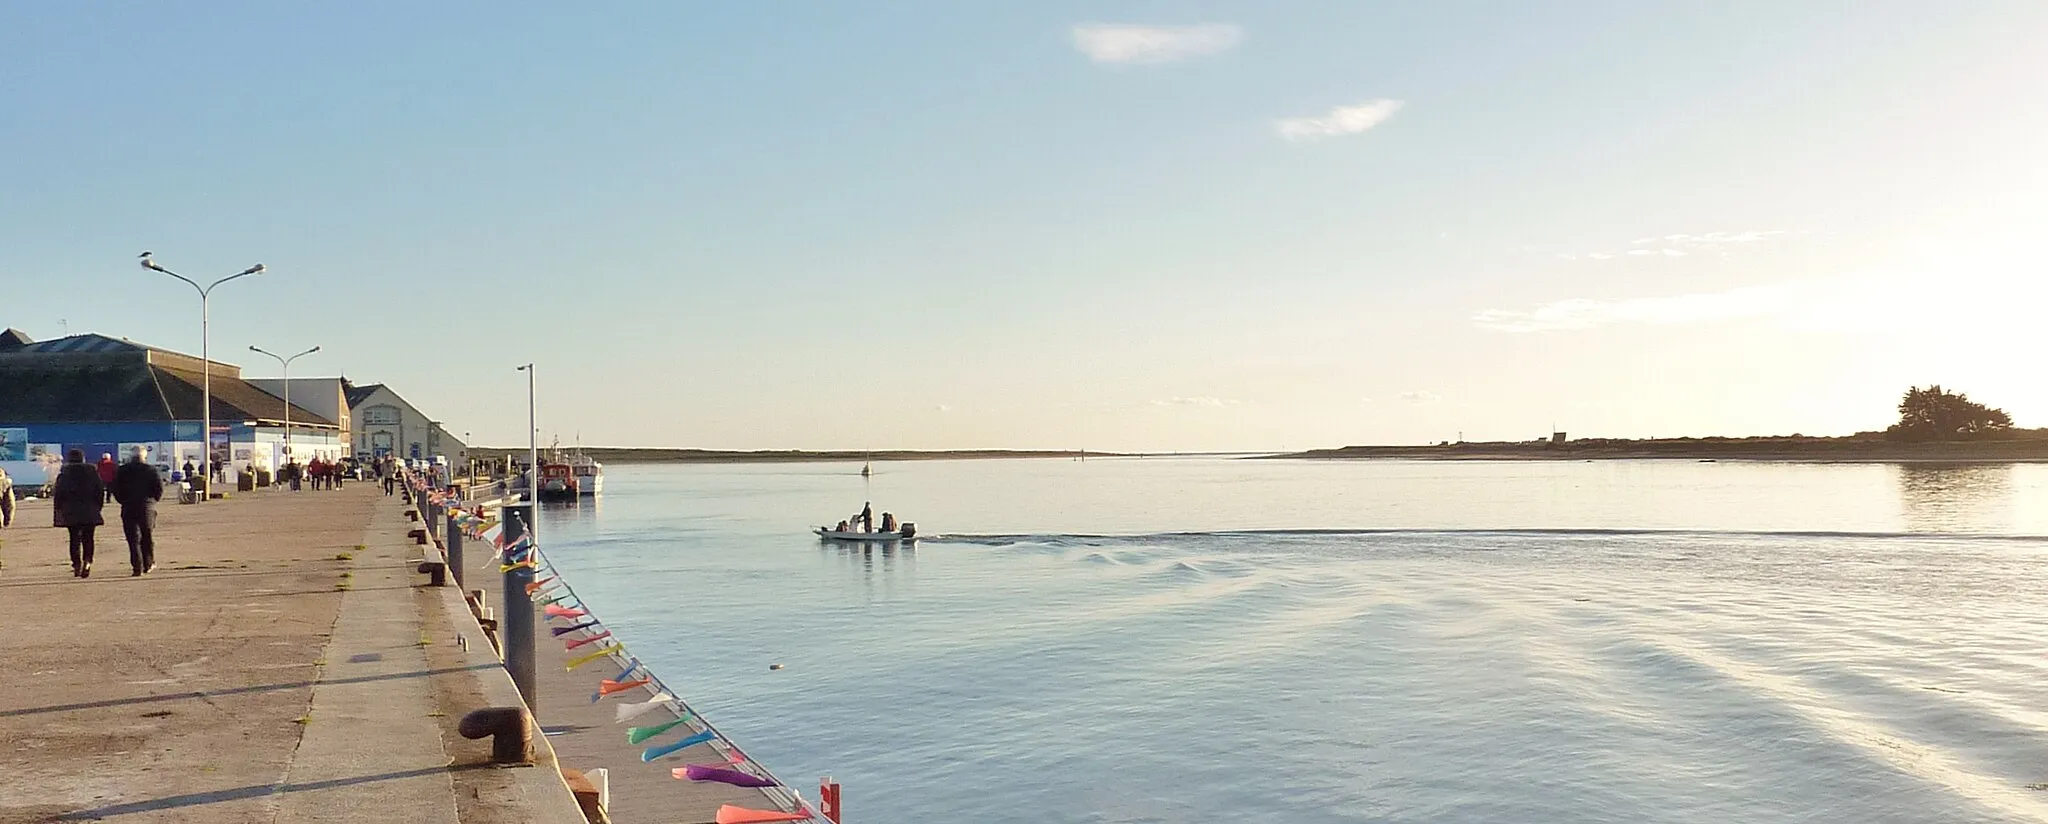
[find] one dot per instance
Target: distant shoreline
(632, 455)
(1784, 450)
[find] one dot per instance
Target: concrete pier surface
(283, 663)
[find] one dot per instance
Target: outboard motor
(909, 531)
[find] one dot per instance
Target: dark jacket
(138, 487)
(77, 496)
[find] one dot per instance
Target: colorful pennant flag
(706, 772)
(635, 735)
(610, 687)
(564, 612)
(577, 642)
(560, 631)
(729, 814)
(535, 586)
(628, 712)
(652, 753)
(592, 656)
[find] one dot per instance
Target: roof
(120, 390)
(14, 339)
(357, 394)
(82, 343)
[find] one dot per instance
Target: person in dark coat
(75, 501)
(138, 488)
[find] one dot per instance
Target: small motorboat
(907, 533)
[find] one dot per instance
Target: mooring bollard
(516, 637)
(509, 728)
(454, 533)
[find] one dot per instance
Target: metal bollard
(516, 637)
(509, 728)
(454, 534)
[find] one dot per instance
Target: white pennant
(628, 712)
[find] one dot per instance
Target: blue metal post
(515, 628)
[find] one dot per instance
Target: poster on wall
(219, 445)
(14, 444)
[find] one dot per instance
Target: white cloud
(1681, 245)
(1123, 43)
(942, 408)
(1196, 401)
(1341, 120)
(1421, 397)
(1585, 313)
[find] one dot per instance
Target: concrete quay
(284, 663)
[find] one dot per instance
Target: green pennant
(639, 734)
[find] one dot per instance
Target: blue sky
(1114, 226)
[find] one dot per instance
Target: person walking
(6, 500)
(106, 468)
(75, 505)
(138, 488)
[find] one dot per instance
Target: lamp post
(532, 442)
(286, 364)
(206, 372)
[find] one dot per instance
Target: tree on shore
(1935, 414)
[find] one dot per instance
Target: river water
(1198, 640)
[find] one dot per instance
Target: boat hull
(862, 537)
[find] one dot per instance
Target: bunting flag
(526, 564)
(635, 735)
(577, 642)
(560, 631)
(652, 753)
(628, 712)
(564, 612)
(536, 585)
(592, 656)
(610, 687)
(729, 814)
(632, 665)
(706, 772)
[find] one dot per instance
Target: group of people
(865, 521)
(319, 473)
(82, 490)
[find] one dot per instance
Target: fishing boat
(907, 533)
(557, 481)
(589, 473)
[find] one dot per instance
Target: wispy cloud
(1125, 43)
(943, 408)
(1586, 313)
(1340, 121)
(1682, 245)
(1421, 397)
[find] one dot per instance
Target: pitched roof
(14, 339)
(357, 394)
(81, 343)
(112, 390)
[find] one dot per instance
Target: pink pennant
(569, 645)
(557, 611)
(705, 772)
(729, 814)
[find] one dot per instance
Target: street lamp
(532, 446)
(206, 373)
(286, 364)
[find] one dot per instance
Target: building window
(380, 415)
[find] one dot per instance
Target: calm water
(1210, 640)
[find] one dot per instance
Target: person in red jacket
(107, 467)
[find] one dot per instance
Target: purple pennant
(706, 772)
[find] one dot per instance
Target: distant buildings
(106, 395)
(386, 424)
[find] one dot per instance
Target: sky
(1145, 226)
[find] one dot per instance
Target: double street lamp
(206, 373)
(286, 364)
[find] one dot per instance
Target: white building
(382, 423)
(326, 397)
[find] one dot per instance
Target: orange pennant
(535, 586)
(608, 686)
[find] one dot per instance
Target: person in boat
(888, 522)
(867, 517)
(842, 527)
